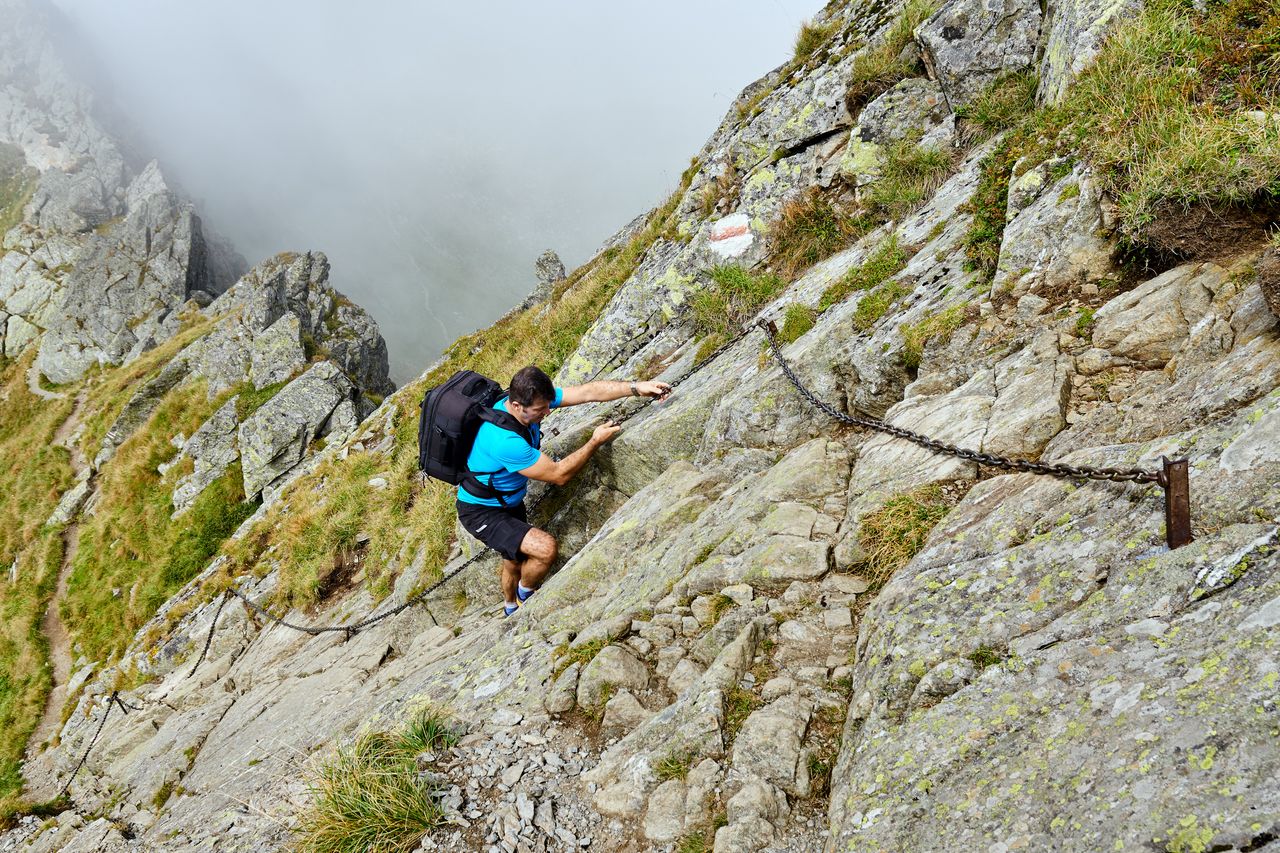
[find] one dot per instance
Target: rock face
(967, 44)
(1043, 673)
(275, 438)
(102, 259)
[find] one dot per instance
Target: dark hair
(531, 384)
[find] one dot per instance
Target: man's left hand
(657, 390)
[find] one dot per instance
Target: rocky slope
(716, 662)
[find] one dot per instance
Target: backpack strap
(471, 480)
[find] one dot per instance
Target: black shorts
(501, 528)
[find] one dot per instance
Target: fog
(432, 150)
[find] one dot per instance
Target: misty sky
(432, 150)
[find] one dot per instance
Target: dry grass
(878, 68)
(810, 39)
(893, 534)
(809, 229)
(371, 797)
(1002, 105)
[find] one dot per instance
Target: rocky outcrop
(276, 437)
(968, 44)
(103, 259)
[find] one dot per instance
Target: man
(494, 513)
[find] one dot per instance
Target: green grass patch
(703, 840)
(887, 260)
(878, 68)
(732, 298)
(38, 473)
(1000, 106)
(370, 797)
(739, 703)
(1084, 322)
(809, 229)
(984, 656)
(909, 175)
(251, 399)
(988, 206)
(132, 555)
(810, 38)
(939, 326)
(877, 303)
(893, 534)
(566, 656)
(798, 320)
(674, 765)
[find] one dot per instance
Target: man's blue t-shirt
(498, 449)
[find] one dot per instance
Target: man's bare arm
(604, 390)
(556, 473)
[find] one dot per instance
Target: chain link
(1052, 469)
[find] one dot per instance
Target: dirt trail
(41, 782)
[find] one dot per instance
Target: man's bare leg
(510, 572)
(539, 549)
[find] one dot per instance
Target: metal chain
(208, 640)
(365, 623)
(1055, 469)
(112, 701)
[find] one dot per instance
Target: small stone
(505, 718)
(512, 774)
(741, 593)
(837, 617)
(775, 688)
(524, 807)
(381, 483)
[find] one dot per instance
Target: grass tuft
(809, 229)
(674, 765)
(896, 532)
(810, 38)
(1000, 106)
(909, 175)
(798, 320)
(371, 797)
(939, 327)
(739, 703)
(733, 297)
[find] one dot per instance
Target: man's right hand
(605, 433)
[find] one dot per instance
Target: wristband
(634, 391)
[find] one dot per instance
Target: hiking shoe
(508, 609)
(522, 595)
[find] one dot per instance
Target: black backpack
(451, 417)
